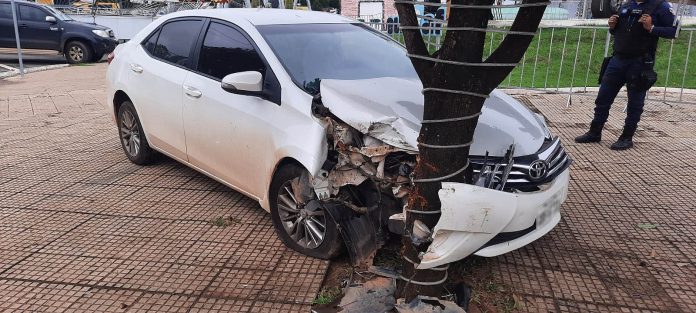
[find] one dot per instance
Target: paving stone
(240, 284)
(222, 305)
(83, 229)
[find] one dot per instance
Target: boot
(593, 135)
(625, 140)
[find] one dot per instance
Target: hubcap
(76, 53)
(305, 224)
(130, 133)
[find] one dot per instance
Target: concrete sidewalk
(82, 229)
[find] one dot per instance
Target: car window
(312, 52)
(32, 14)
(175, 41)
(151, 42)
(5, 10)
(225, 51)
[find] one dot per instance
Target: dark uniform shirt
(631, 38)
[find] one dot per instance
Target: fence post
(19, 47)
(686, 65)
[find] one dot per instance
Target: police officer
(636, 29)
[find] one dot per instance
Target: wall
(349, 8)
(124, 27)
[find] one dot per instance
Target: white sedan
(316, 117)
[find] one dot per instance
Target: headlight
(101, 33)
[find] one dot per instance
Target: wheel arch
(120, 97)
(81, 39)
(287, 160)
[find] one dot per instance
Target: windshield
(312, 52)
(58, 14)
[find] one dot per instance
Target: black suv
(42, 27)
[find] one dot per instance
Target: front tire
(133, 140)
(77, 52)
(303, 227)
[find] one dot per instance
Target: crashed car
(316, 117)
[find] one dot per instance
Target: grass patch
(327, 296)
(224, 221)
(577, 63)
(488, 293)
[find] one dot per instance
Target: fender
(310, 153)
(72, 35)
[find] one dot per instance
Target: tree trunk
(436, 162)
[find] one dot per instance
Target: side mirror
(249, 82)
(51, 19)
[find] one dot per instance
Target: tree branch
(414, 41)
(513, 47)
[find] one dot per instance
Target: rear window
(174, 41)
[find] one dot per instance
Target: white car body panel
(463, 229)
(391, 109)
(240, 140)
(164, 98)
(222, 133)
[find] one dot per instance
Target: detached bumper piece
(473, 216)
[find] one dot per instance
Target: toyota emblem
(537, 170)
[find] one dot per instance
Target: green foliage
(327, 295)
(224, 221)
(549, 63)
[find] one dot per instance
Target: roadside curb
(32, 70)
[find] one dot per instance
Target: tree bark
(460, 46)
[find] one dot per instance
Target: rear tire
(77, 52)
(297, 229)
(133, 140)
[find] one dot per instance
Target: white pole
(16, 30)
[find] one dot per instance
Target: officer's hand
(646, 20)
(612, 21)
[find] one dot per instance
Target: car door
(228, 135)
(157, 71)
(7, 38)
(34, 31)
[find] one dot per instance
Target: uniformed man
(636, 29)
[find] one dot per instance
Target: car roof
(263, 16)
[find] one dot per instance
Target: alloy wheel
(130, 133)
(76, 54)
(305, 224)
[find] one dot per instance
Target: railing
(567, 59)
(134, 9)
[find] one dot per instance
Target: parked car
(316, 117)
(42, 27)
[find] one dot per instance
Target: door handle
(192, 92)
(136, 68)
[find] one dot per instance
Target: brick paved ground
(605, 256)
(83, 229)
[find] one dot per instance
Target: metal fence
(567, 59)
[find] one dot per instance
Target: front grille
(551, 152)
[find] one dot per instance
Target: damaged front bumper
(470, 220)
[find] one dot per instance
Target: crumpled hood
(391, 109)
